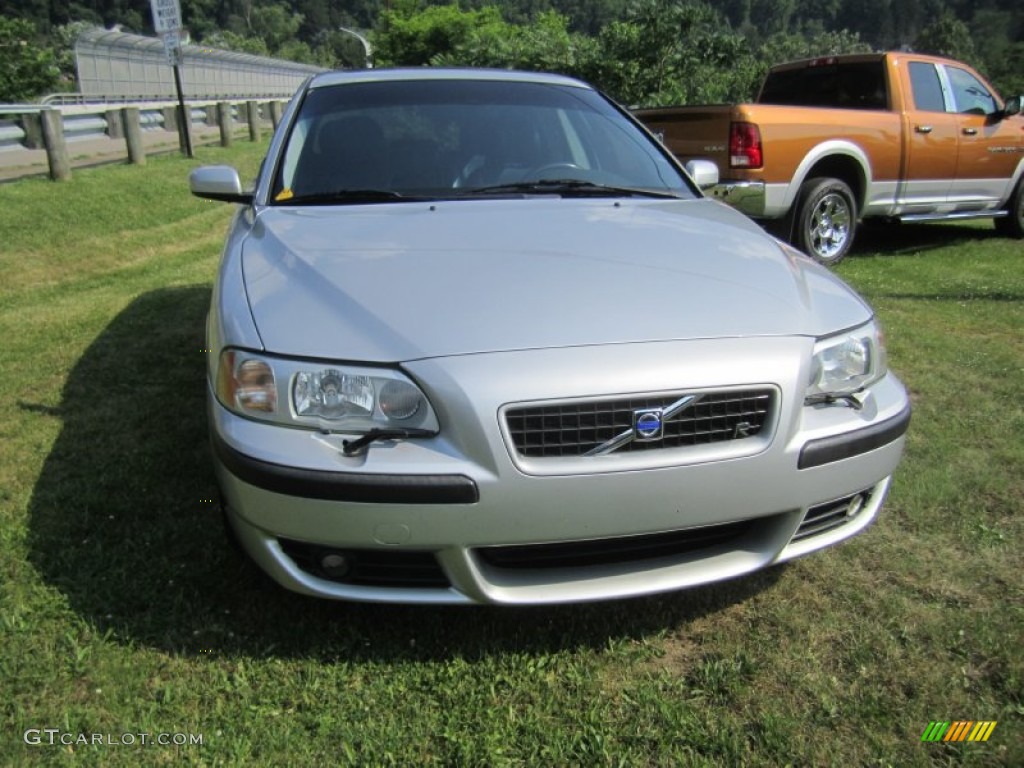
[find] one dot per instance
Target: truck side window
(924, 81)
(849, 85)
(970, 95)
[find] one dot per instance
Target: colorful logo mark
(959, 730)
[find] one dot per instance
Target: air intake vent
(625, 549)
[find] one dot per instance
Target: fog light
(855, 506)
(334, 565)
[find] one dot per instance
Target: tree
(947, 36)
(409, 36)
(641, 51)
(27, 70)
(296, 50)
(1007, 73)
(908, 17)
(871, 19)
(275, 25)
(200, 17)
(544, 44)
(673, 51)
(779, 48)
(317, 18)
(231, 41)
(63, 39)
(773, 16)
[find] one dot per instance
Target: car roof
(344, 77)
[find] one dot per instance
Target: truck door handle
(923, 128)
(970, 131)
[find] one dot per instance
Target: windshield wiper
(570, 187)
(352, 196)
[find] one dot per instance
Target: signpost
(166, 15)
(172, 47)
(167, 23)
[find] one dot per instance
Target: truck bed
(788, 135)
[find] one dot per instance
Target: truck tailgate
(690, 132)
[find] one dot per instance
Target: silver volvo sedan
(476, 337)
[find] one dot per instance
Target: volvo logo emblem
(648, 424)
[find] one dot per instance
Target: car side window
(924, 82)
(969, 93)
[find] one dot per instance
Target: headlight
(342, 398)
(846, 363)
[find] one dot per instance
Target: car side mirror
(218, 182)
(703, 172)
(1012, 106)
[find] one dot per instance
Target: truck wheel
(1013, 225)
(826, 220)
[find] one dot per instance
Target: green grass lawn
(123, 610)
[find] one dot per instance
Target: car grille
(834, 514)
(579, 428)
(626, 549)
(370, 567)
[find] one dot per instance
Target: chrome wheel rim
(829, 226)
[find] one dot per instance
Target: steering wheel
(472, 165)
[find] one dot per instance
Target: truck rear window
(847, 85)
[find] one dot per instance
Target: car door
(930, 141)
(988, 146)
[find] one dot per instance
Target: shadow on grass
(955, 296)
(904, 239)
(122, 523)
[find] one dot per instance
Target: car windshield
(387, 141)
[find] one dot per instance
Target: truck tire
(1013, 225)
(826, 220)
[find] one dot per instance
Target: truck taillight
(745, 146)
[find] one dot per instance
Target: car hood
(403, 281)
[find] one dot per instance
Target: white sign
(172, 47)
(166, 15)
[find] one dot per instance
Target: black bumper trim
(346, 486)
(828, 449)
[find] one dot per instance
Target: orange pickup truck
(833, 140)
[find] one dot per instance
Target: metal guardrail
(11, 134)
(12, 131)
(95, 100)
(19, 109)
(50, 127)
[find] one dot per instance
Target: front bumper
(457, 519)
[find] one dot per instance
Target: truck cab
(834, 140)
